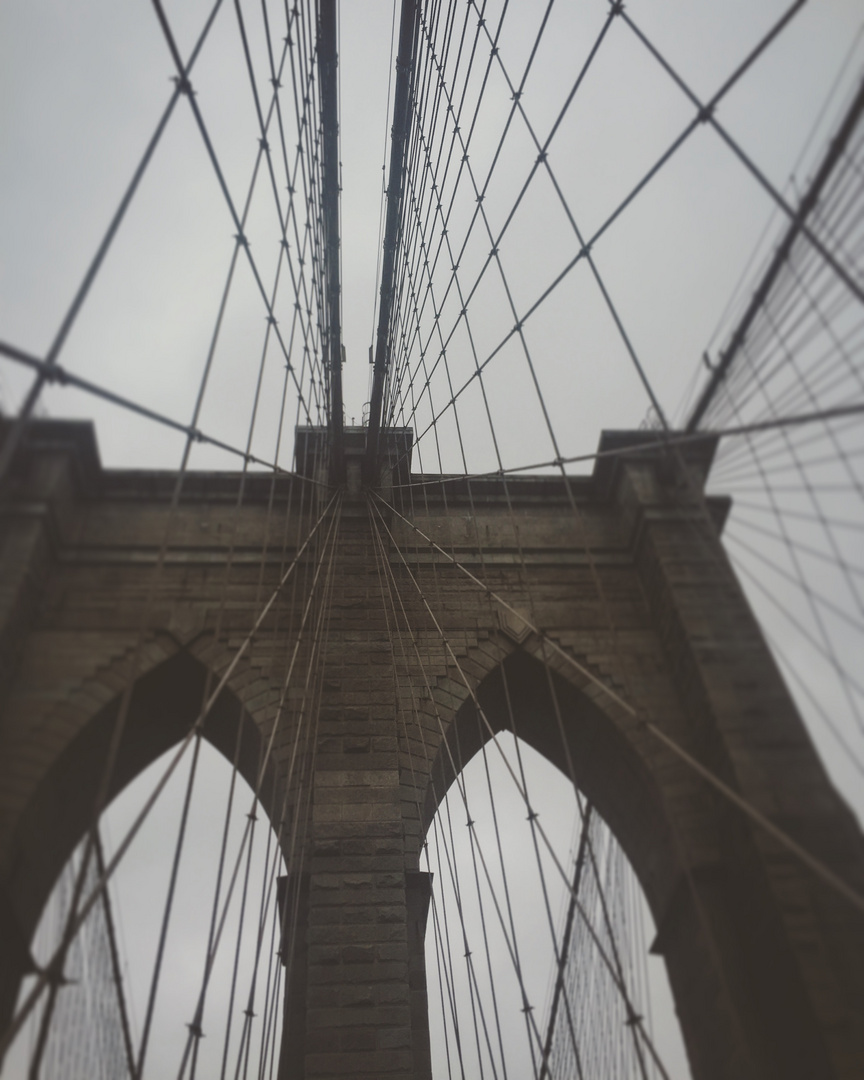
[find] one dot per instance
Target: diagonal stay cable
(239, 502)
(839, 412)
(815, 865)
(706, 115)
(392, 593)
(43, 978)
(57, 373)
(326, 553)
(543, 158)
(263, 126)
(664, 158)
(608, 962)
(213, 946)
(509, 935)
(118, 726)
(186, 88)
(43, 373)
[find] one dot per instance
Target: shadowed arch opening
(517, 976)
(570, 731)
(732, 973)
(164, 704)
(517, 695)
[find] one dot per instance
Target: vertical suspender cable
(565, 945)
(330, 204)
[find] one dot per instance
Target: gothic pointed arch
(164, 704)
(522, 696)
(695, 859)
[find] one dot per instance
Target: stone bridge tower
(624, 573)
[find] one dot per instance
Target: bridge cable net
(475, 303)
(446, 348)
(307, 529)
(798, 510)
(447, 368)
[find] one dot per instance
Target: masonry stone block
(623, 572)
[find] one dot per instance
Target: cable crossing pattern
(287, 804)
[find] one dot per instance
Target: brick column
(360, 964)
(790, 952)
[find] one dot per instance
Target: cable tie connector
(271, 319)
(196, 435)
(705, 113)
(241, 239)
(633, 1018)
(195, 1031)
(183, 85)
(250, 1013)
(493, 252)
(516, 95)
(532, 815)
(55, 975)
(541, 157)
(517, 328)
(464, 157)
(252, 815)
(265, 146)
(616, 7)
(469, 823)
(585, 250)
(480, 198)
(275, 83)
(526, 1008)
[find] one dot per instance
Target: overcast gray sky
(81, 89)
